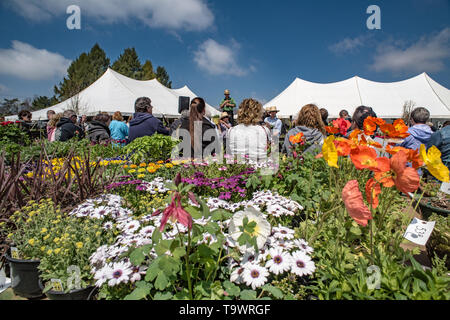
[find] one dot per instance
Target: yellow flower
(58, 250)
(49, 251)
(140, 176)
(31, 242)
(160, 162)
(98, 233)
(141, 170)
(125, 166)
(434, 163)
(169, 165)
(56, 240)
(133, 166)
(79, 245)
(29, 220)
(29, 174)
(329, 152)
(46, 237)
(44, 230)
(10, 235)
(43, 248)
(132, 171)
(143, 165)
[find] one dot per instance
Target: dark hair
(101, 117)
(446, 123)
(343, 113)
(362, 113)
(324, 114)
(142, 104)
(24, 113)
(420, 115)
(195, 114)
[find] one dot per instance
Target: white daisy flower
(131, 227)
(102, 275)
(301, 264)
(108, 225)
(303, 246)
(279, 262)
(255, 275)
(237, 275)
(251, 257)
(137, 274)
(119, 273)
(147, 231)
(281, 232)
(285, 244)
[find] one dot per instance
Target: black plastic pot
(25, 278)
(427, 209)
(80, 294)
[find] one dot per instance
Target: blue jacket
(119, 130)
(420, 134)
(145, 124)
(441, 140)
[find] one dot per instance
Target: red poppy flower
(354, 202)
(332, 130)
(364, 157)
(373, 190)
(343, 147)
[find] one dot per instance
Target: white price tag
(5, 282)
(445, 187)
(419, 231)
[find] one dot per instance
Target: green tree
(163, 77)
(128, 64)
(9, 106)
(147, 71)
(82, 72)
(42, 102)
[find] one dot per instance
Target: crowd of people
(253, 134)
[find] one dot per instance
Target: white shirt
(251, 141)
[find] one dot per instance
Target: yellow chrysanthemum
(49, 251)
(434, 164)
(44, 230)
(131, 171)
(141, 170)
(79, 245)
(329, 152)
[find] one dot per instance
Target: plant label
(15, 253)
(419, 231)
(57, 285)
(5, 282)
(445, 187)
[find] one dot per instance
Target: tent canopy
(386, 99)
(114, 92)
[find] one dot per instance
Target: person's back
(420, 132)
(99, 130)
(441, 139)
(144, 123)
(66, 129)
(119, 130)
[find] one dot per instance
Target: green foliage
(155, 148)
(163, 77)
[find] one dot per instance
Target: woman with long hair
(309, 122)
(118, 129)
(197, 113)
(51, 126)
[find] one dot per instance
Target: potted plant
(65, 271)
(433, 200)
(26, 240)
(439, 242)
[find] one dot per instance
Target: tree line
(84, 71)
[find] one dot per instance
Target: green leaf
(152, 270)
(194, 212)
(162, 296)
(277, 293)
(231, 288)
(156, 236)
(178, 253)
(137, 257)
(141, 291)
(248, 295)
(161, 281)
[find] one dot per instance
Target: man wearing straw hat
(273, 122)
(227, 105)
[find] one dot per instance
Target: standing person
(118, 129)
(249, 138)
(67, 129)
(224, 126)
(99, 129)
(227, 105)
(143, 122)
(50, 114)
(343, 124)
(197, 112)
(309, 122)
(51, 126)
(441, 139)
(50, 129)
(273, 122)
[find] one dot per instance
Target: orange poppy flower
(413, 155)
(396, 130)
(332, 130)
(404, 178)
(370, 125)
(354, 135)
(298, 138)
(373, 190)
(364, 157)
(354, 202)
(343, 147)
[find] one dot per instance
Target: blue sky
(254, 48)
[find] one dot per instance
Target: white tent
(387, 99)
(114, 92)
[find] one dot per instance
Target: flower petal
(408, 180)
(353, 200)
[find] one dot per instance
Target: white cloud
(219, 59)
(426, 55)
(349, 45)
(27, 62)
(192, 15)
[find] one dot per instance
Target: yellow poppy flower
(434, 164)
(329, 152)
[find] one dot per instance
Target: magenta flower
(176, 213)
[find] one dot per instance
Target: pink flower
(176, 212)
